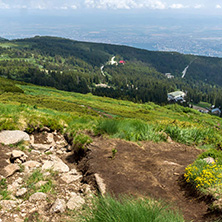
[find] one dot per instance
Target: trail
(111, 62)
(185, 70)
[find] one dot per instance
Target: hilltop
(76, 66)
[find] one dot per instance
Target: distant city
(185, 35)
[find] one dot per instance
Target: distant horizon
(189, 27)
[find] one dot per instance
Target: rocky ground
(39, 179)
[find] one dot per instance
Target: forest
(76, 66)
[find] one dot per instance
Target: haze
(172, 25)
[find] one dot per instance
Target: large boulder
(8, 137)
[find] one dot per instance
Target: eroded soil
(148, 169)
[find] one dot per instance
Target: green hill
(76, 66)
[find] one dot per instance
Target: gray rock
(21, 192)
(8, 204)
(11, 169)
(75, 202)
(13, 187)
(101, 185)
(17, 154)
(41, 147)
(209, 160)
(13, 136)
(59, 206)
(56, 164)
(67, 178)
(32, 164)
(39, 196)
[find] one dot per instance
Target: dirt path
(151, 169)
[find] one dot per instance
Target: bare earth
(148, 169)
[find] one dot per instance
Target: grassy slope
(74, 113)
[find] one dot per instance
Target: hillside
(122, 134)
(76, 66)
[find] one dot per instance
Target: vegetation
(129, 210)
(75, 66)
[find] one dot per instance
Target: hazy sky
(215, 5)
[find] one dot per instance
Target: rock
(11, 169)
(8, 204)
(21, 192)
(31, 164)
(13, 136)
(39, 196)
(42, 147)
(13, 187)
(56, 164)
(209, 160)
(59, 206)
(45, 129)
(50, 138)
(41, 183)
(68, 178)
(101, 185)
(17, 154)
(18, 220)
(75, 202)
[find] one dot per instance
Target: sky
(213, 5)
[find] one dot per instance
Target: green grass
(36, 176)
(129, 209)
(5, 195)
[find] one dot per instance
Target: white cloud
(198, 6)
(218, 6)
(73, 6)
(178, 6)
(4, 5)
(124, 4)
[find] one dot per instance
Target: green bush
(128, 209)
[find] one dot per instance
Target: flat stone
(59, 206)
(56, 164)
(11, 169)
(32, 164)
(101, 185)
(13, 136)
(21, 192)
(8, 204)
(39, 196)
(75, 202)
(67, 178)
(41, 147)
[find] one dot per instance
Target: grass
(31, 181)
(5, 195)
(129, 209)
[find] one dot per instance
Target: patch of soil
(151, 169)
(4, 157)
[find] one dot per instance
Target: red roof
(122, 62)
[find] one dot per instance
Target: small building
(177, 96)
(216, 111)
(169, 76)
(122, 62)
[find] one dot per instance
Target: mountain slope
(75, 66)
